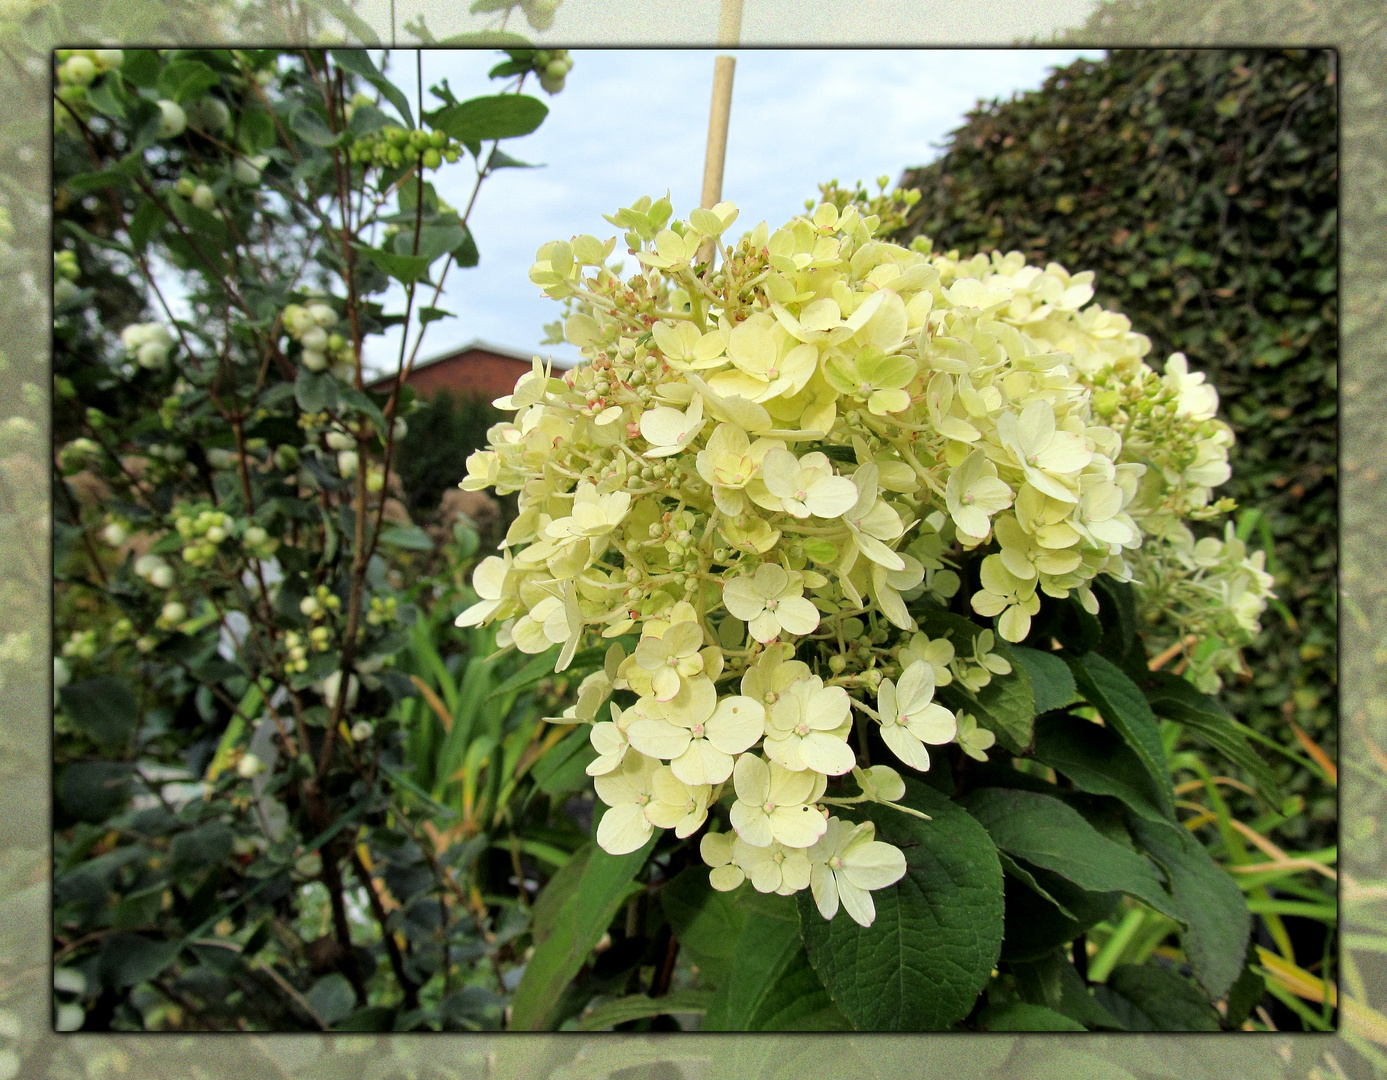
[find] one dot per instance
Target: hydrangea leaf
(1044, 831)
(938, 931)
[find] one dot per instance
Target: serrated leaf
(496, 116)
(1048, 833)
(1123, 708)
(103, 707)
(1213, 905)
(1052, 684)
(1175, 699)
(771, 985)
(1098, 761)
(591, 888)
(1150, 998)
(938, 931)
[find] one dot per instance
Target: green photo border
(1359, 1049)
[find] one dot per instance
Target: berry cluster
(394, 147)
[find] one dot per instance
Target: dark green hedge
(1201, 186)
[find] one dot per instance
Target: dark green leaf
(499, 159)
(705, 922)
(410, 537)
(1175, 699)
(186, 80)
(433, 314)
(938, 931)
(405, 269)
(591, 889)
(94, 790)
(332, 998)
(1121, 704)
(1150, 998)
(1211, 901)
(258, 129)
(466, 254)
(1019, 1016)
(315, 391)
(640, 1006)
(771, 986)
(497, 116)
(140, 67)
(436, 240)
(1035, 927)
(1045, 831)
(1051, 682)
(104, 707)
(371, 1018)
(1052, 981)
(1097, 760)
(103, 96)
(84, 183)
(204, 846)
(145, 224)
(1024, 874)
(1244, 996)
(129, 959)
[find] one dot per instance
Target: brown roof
(477, 369)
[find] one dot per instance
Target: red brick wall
(473, 373)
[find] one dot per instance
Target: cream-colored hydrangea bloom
(770, 468)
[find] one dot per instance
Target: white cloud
(634, 122)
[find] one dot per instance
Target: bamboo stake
(729, 31)
(716, 154)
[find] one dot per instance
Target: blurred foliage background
(1201, 186)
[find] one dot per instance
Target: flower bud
(249, 766)
(309, 606)
(361, 731)
(152, 355)
(77, 71)
(173, 120)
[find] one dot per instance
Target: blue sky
(633, 122)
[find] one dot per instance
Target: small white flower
(847, 863)
(627, 791)
(774, 803)
(910, 717)
(771, 601)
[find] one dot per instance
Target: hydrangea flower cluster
(762, 466)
